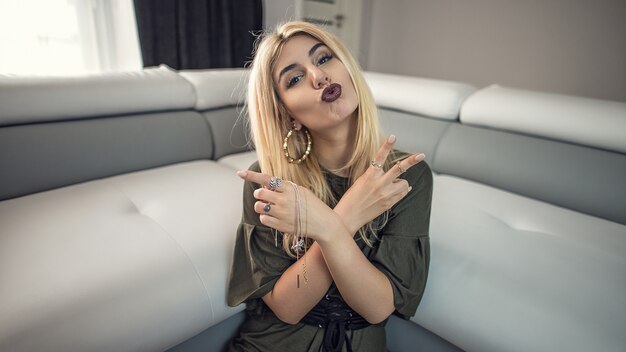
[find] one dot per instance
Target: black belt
(336, 317)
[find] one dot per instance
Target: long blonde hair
(269, 123)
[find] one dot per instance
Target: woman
(334, 235)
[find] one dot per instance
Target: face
(306, 73)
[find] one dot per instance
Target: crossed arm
(334, 256)
(342, 262)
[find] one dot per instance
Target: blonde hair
(269, 123)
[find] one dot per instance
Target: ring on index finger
(376, 165)
(275, 182)
(400, 167)
(267, 207)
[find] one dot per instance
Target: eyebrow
(292, 66)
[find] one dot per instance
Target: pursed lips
(331, 93)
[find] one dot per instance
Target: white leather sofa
(119, 204)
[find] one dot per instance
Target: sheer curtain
(68, 37)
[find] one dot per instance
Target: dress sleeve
(403, 253)
(258, 260)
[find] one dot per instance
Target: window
(66, 37)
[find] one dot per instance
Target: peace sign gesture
(376, 190)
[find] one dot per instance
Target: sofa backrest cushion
(584, 179)
(414, 133)
(216, 88)
(43, 156)
(59, 131)
(429, 97)
(229, 131)
(221, 94)
(42, 99)
(593, 122)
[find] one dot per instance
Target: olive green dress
(402, 254)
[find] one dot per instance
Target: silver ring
(267, 207)
(275, 182)
(376, 165)
(400, 167)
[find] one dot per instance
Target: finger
(400, 187)
(268, 220)
(385, 149)
(273, 222)
(403, 166)
(267, 195)
(259, 178)
(402, 180)
(265, 208)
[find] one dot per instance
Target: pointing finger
(262, 179)
(385, 149)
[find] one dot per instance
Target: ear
(297, 125)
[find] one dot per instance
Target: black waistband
(337, 318)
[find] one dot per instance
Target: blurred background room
(573, 47)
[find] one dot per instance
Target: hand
(318, 221)
(375, 191)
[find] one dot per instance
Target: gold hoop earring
(306, 153)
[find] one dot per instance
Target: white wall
(277, 11)
(573, 47)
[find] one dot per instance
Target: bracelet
(299, 243)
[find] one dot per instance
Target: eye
(324, 59)
(293, 81)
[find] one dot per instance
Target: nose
(319, 78)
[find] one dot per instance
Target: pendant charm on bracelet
(299, 246)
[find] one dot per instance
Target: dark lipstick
(331, 93)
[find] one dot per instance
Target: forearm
(290, 302)
(349, 218)
(364, 288)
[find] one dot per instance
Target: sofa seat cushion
(126, 263)
(510, 273)
(239, 161)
